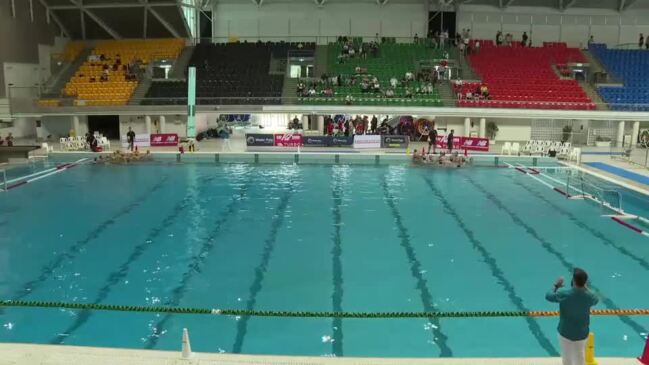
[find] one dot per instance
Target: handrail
(307, 314)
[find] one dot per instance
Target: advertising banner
(141, 140)
(267, 140)
(465, 143)
(288, 140)
(317, 141)
(367, 141)
(164, 139)
(338, 141)
(395, 141)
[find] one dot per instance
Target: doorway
(107, 125)
(440, 21)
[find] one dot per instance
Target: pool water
(311, 238)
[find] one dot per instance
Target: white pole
(147, 124)
(483, 127)
(620, 133)
(467, 127)
(163, 124)
(187, 347)
(634, 135)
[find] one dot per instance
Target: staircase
(140, 91)
(446, 93)
(466, 71)
(180, 66)
(321, 57)
(288, 90)
(594, 95)
(56, 83)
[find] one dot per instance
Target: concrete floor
(22, 354)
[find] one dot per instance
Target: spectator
(295, 123)
(416, 40)
(484, 91)
(408, 93)
(432, 139)
(300, 88)
(394, 82)
(641, 41)
(591, 40)
(376, 38)
(574, 316)
(466, 40)
(10, 140)
(330, 127)
(373, 123)
(389, 93)
(365, 87)
(476, 47)
(444, 38)
(499, 38)
(508, 39)
(524, 39)
(352, 52)
(349, 100)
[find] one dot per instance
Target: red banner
(465, 143)
(164, 139)
(288, 140)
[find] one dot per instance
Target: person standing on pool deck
(130, 138)
(449, 140)
(432, 139)
(574, 316)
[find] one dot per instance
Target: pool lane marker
(630, 226)
(439, 338)
(550, 249)
(337, 270)
(42, 175)
(496, 271)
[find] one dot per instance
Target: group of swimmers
(119, 157)
(452, 159)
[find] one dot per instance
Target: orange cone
(645, 354)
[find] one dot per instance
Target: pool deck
(24, 354)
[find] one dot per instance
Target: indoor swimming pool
(313, 237)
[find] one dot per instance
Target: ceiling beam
(102, 24)
(109, 6)
(165, 23)
(320, 3)
(58, 22)
(188, 30)
(381, 2)
(569, 4)
(626, 4)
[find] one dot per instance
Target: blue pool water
(311, 238)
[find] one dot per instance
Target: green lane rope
(303, 314)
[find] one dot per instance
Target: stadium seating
(523, 77)
(233, 73)
(630, 67)
(86, 85)
(393, 60)
(72, 50)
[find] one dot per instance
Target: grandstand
(108, 77)
(390, 60)
(526, 77)
(236, 73)
(631, 68)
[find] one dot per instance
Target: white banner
(141, 140)
(367, 141)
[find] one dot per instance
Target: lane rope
(305, 314)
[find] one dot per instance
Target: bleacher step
(321, 57)
(54, 86)
(180, 66)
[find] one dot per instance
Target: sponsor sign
(337, 141)
(465, 143)
(141, 140)
(317, 141)
(288, 140)
(164, 139)
(395, 141)
(367, 141)
(260, 140)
